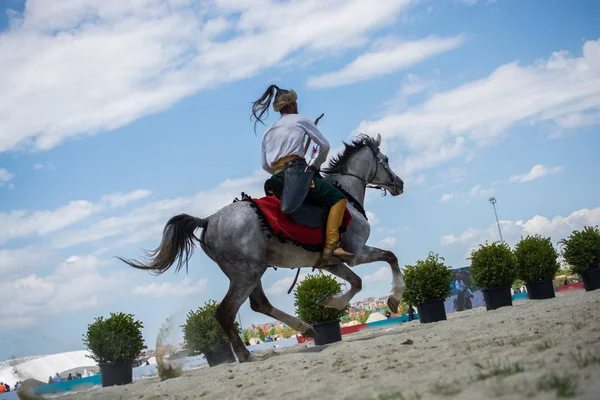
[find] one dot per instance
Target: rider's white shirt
(286, 137)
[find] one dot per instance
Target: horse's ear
(378, 140)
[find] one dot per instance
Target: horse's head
(383, 176)
(363, 160)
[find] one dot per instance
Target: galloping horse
(233, 237)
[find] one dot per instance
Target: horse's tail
(177, 245)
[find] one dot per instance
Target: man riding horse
(282, 154)
(236, 238)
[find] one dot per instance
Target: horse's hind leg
(260, 303)
(340, 301)
(370, 254)
(240, 288)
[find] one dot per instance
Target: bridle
(380, 162)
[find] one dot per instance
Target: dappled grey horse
(233, 237)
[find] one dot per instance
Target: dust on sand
(533, 350)
(167, 369)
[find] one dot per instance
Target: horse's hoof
(393, 304)
(310, 332)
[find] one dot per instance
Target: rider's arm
(317, 137)
(263, 159)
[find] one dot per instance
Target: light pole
(493, 201)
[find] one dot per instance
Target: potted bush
(203, 334)
(325, 321)
(493, 268)
(582, 251)
(114, 343)
(537, 263)
(427, 286)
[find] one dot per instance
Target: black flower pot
(432, 311)
(591, 279)
(116, 373)
(220, 354)
(497, 297)
(540, 290)
(327, 332)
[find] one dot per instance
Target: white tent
(376, 316)
(43, 367)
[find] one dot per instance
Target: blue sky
(117, 115)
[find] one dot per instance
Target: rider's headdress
(280, 97)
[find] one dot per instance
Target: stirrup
(329, 254)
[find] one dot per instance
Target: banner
(464, 294)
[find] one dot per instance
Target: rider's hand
(314, 169)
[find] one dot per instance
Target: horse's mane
(337, 163)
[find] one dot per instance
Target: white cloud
(387, 242)
(476, 193)
(86, 67)
(122, 199)
(576, 120)
(168, 289)
(146, 222)
(77, 283)
(449, 176)
(22, 223)
(479, 192)
(373, 219)
(453, 175)
(387, 60)
(478, 112)
(283, 285)
(381, 274)
(45, 165)
(537, 171)
(473, 2)
(5, 176)
(414, 84)
(22, 261)
(446, 197)
(557, 228)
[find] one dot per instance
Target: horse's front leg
(368, 254)
(339, 301)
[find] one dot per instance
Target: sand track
(532, 350)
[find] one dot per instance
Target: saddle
(308, 214)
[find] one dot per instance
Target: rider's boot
(332, 233)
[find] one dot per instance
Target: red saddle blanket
(283, 227)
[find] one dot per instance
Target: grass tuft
(499, 370)
(564, 386)
(545, 345)
(398, 396)
(445, 389)
(583, 360)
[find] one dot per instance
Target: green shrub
(309, 291)
(427, 280)
(582, 249)
(201, 331)
(493, 265)
(115, 339)
(537, 259)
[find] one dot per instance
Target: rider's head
(284, 102)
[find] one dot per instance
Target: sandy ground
(533, 350)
